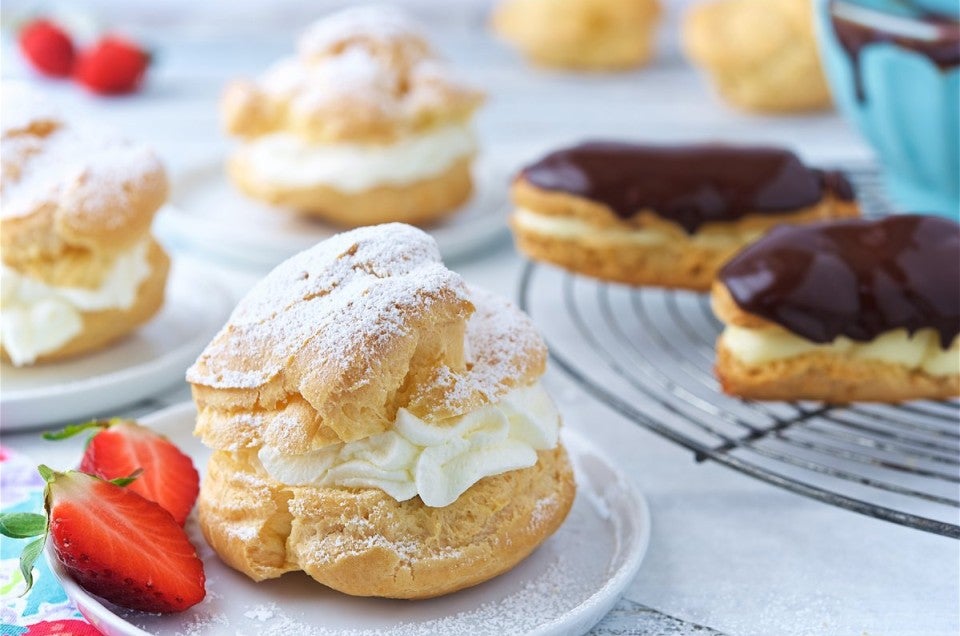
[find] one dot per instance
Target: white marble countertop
(727, 553)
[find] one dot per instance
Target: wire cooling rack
(648, 353)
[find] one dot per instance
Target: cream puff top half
(364, 75)
(69, 185)
(364, 362)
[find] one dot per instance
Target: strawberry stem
(74, 429)
(47, 473)
(126, 481)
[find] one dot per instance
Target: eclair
(665, 216)
(590, 35)
(378, 424)
(364, 125)
(79, 266)
(855, 310)
(760, 54)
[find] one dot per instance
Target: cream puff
(364, 125)
(79, 266)
(845, 311)
(664, 215)
(378, 424)
(761, 54)
(581, 34)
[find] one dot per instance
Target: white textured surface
(727, 552)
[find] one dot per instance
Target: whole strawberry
(112, 66)
(48, 48)
(113, 542)
(120, 447)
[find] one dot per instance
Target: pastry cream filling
(579, 230)
(921, 351)
(287, 160)
(438, 462)
(37, 318)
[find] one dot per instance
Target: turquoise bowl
(904, 103)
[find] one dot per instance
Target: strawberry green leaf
(22, 525)
(46, 472)
(75, 429)
(27, 558)
(129, 479)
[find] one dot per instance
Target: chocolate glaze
(855, 278)
(689, 185)
(943, 50)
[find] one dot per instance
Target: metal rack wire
(651, 347)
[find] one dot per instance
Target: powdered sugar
(368, 64)
(378, 22)
(82, 168)
(354, 75)
(347, 298)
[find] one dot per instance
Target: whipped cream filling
(437, 462)
(37, 318)
(288, 160)
(921, 350)
(580, 230)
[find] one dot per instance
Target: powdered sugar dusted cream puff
(581, 34)
(664, 215)
(378, 424)
(80, 268)
(365, 125)
(845, 311)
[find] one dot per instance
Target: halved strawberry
(120, 447)
(113, 542)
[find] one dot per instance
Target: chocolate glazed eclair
(667, 216)
(846, 311)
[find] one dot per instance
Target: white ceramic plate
(565, 587)
(151, 359)
(207, 212)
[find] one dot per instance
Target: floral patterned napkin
(45, 610)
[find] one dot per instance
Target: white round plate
(208, 213)
(565, 587)
(144, 363)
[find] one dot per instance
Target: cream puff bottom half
(622, 254)
(361, 541)
(87, 329)
(772, 363)
(416, 179)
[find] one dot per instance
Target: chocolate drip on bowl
(934, 36)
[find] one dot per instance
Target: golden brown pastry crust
(98, 205)
(761, 54)
(830, 378)
(419, 203)
(364, 543)
(677, 262)
(581, 34)
(100, 328)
